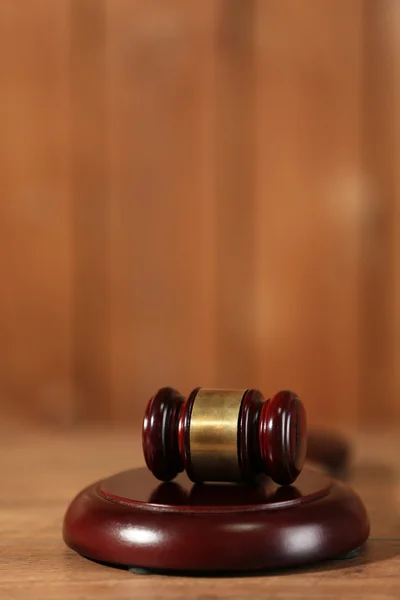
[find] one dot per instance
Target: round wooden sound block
(134, 520)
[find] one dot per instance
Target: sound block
(134, 520)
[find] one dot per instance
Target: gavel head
(225, 435)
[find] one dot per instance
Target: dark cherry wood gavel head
(225, 435)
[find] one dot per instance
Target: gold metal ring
(214, 435)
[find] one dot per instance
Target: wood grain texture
(160, 70)
(35, 212)
(380, 312)
(199, 194)
(42, 472)
(310, 207)
(90, 209)
(394, 20)
(235, 198)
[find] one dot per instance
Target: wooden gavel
(225, 435)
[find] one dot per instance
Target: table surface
(42, 471)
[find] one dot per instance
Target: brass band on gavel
(214, 435)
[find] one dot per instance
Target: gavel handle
(329, 449)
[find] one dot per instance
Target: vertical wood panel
(394, 21)
(199, 194)
(35, 252)
(235, 161)
(159, 72)
(309, 201)
(381, 287)
(90, 207)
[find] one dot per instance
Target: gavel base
(133, 520)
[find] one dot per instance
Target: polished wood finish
(160, 434)
(42, 470)
(130, 519)
(267, 437)
(283, 437)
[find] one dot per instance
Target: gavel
(225, 435)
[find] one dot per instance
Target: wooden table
(42, 471)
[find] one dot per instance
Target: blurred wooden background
(199, 193)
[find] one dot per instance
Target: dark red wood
(272, 435)
(183, 434)
(283, 437)
(131, 519)
(160, 434)
(248, 447)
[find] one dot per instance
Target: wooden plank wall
(310, 208)
(380, 312)
(160, 85)
(36, 261)
(199, 193)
